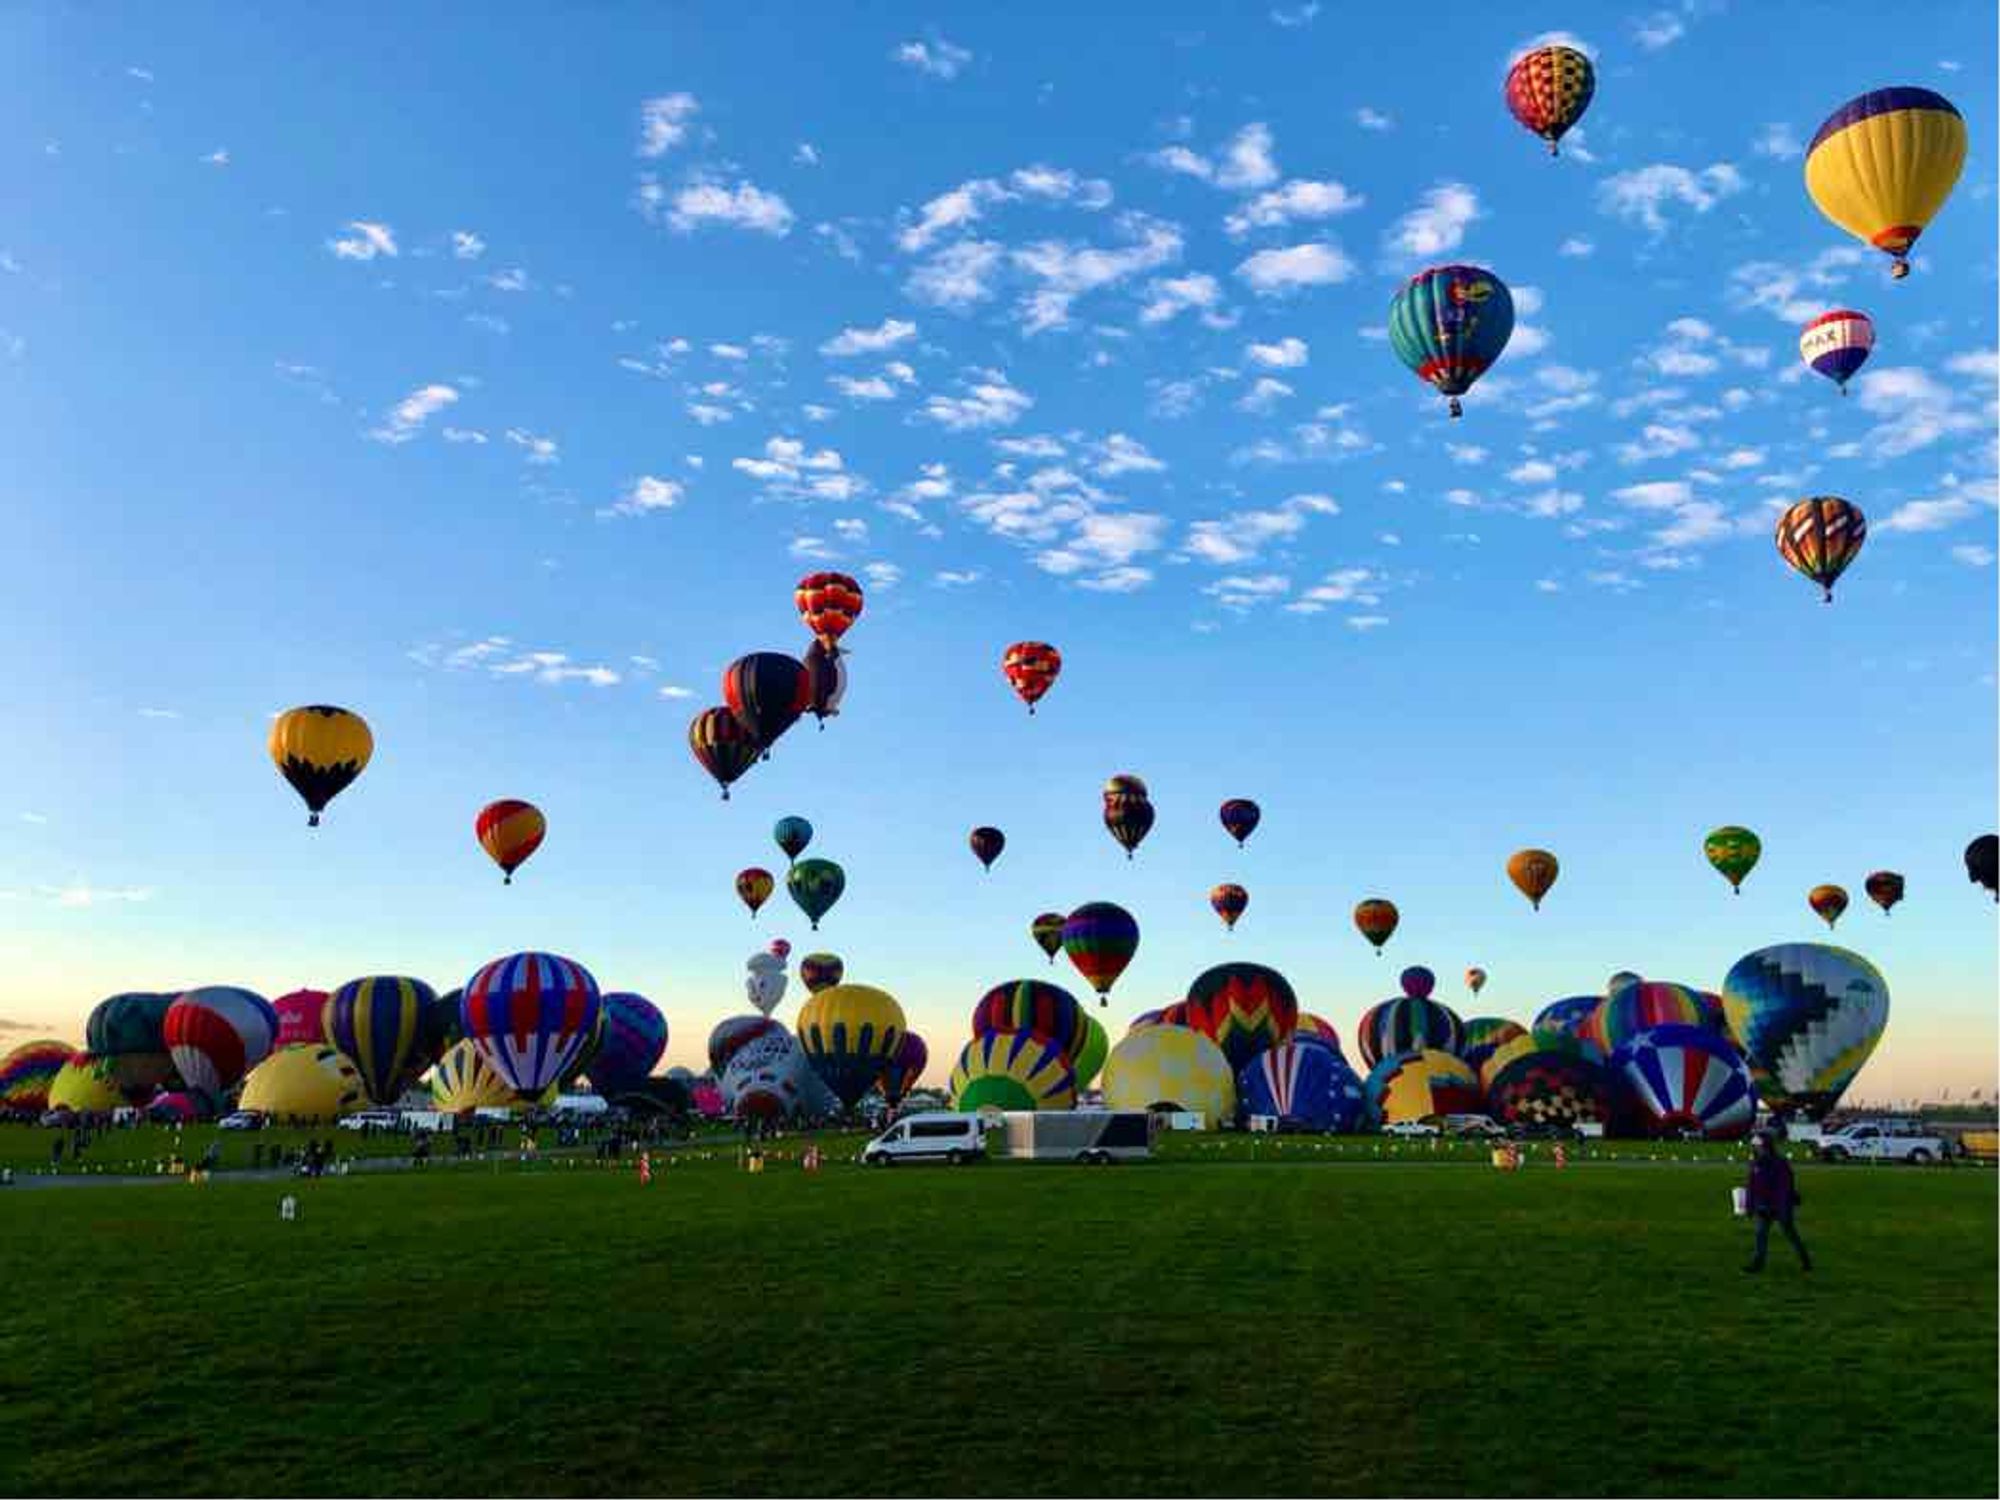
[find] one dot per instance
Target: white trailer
(1096, 1137)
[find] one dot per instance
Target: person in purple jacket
(1774, 1196)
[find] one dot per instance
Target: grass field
(1218, 1326)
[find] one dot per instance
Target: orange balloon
(1377, 919)
(509, 831)
(1533, 871)
(1829, 901)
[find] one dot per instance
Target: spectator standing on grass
(1773, 1197)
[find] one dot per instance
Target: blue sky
(497, 379)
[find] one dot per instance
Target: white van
(938, 1136)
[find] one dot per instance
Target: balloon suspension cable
(1454, 408)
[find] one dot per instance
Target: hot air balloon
(829, 603)
(1819, 537)
(1418, 982)
(722, 746)
(1012, 1070)
(1827, 902)
(1807, 1016)
(730, 1036)
(1449, 324)
(1982, 863)
(1622, 1016)
(815, 884)
(1734, 852)
(1240, 817)
(311, 1084)
(1315, 1030)
(849, 1033)
(1376, 920)
(509, 831)
(129, 1030)
(1170, 1067)
(765, 981)
(217, 1034)
(1243, 1008)
(1683, 1078)
(1475, 980)
(1087, 1058)
(1836, 344)
(1305, 1087)
(320, 750)
(1624, 979)
(532, 1016)
(754, 887)
(1100, 939)
(464, 1082)
(377, 1023)
(986, 845)
(767, 691)
(1417, 1085)
(26, 1073)
(792, 835)
(301, 1018)
(1408, 1023)
(1533, 872)
(86, 1084)
(1125, 787)
(1230, 902)
(1482, 1036)
(826, 675)
(1885, 889)
(1031, 668)
(1549, 1078)
(904, 1069)
(1883, 164)
(1548, 89)
(1032, 1005)
(821, 971)
(444, 1025)
(1129, 820)
(1046, 930)
(634, 1039)
(1569, 1015)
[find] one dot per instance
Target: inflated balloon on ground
(1012, 1070)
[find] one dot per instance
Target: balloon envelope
(1100, 938)
(1170, 1067)
(1012, 1070)
(1882, 165)
(377, 1023)
(320, 750)
(509, 831)
(310, 1083)
(531, 1015)
(1244, 1009)
(1682, 1078)
(633, 1042)
(1807, 1017)
(1308, 1087)
(217, 1034)
(849, 1033)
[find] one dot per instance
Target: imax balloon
(1836, 344)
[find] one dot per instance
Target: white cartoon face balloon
(765, 983)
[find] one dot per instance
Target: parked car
(242, 1119)
(1875, 1140)
(380, 1119)
(945, 1136)
(1412, 1127)
(1484, 1125)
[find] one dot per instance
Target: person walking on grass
(1773, 1197)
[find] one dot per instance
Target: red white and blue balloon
(1685, 1078)
(531, 1015)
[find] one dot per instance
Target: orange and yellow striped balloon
(509, 831)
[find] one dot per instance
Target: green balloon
(1734, 852)
(815, 885)
(1090, 1055)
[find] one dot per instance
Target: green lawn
(1184, 1327)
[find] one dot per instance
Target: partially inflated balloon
(1549, 88)
(1243, 1008)
(509, 831)
(1376, 920)
(732, 1035)
(26, 1073)
(1046, 930)
(1883, 164)
(1836, 344)
(986, 845)
(1807, 1016)
(531, 1015)
(1885, 889)
(1734, 852)
(1533, 872)
(1012, 1070)
(1684, 1078)
(1982, 863)
(1549, 1078)
(1408, 1023)
(754, 887)
(1482, 1036)
(633, 1042)
(1827, 902)
(904, 1069)
(1622, 1016)
(320, 750)
(1031, 669)
(792, 835)
(722, 746)
(300, 1018)
(1240, 817)
(1449, 324)
(1417, 1085)
(1230, 902)
(815, 884)
(377, 1023)
(217, 1034)
(1819, 537)
(1170, 1067)
(1089, 1055)
(464, 1081)
(1100, 938)
(849, 1033)
(820, 971)
(1032, 1005)
(829, 603)
(303, 1084)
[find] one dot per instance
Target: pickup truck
(1868, 1141)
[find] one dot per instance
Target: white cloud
(79, 894)
(1344, 586)
(1245, 161)
(1366, 622)
(663, 122)
(541, 450)
(1068, 271)
(1533, 471)
(219, 157)
(1927, 515)
(951, 210)
(159, 713)
(1973, 555)
(499, 656)
(1117, 580)
(1551, 503)
(465, 245)
(1373, 119)
(991, 400)
(852, 341)
(1665, 494)
(811, 549)
(1243, 591)
(744, 206)
(1916, 410)
(513, 279)
(1168, 297)
(805, 154)
(1297, 199)
(958, 276)
(364, 241)
(1697, 522)
(1436, 225)
(1639, 196)
(1552, 39)
(464, 435)
(1793, 294)
(1287, 353)
(936, 57)
(1119, 454)
(957, 578)
(1241, 537)
(882, 575)
(1659, 440)
(1743, 458)
(1466, 453)
(645, 495)
(1660, 29)
(672, 692)
(1576, 247)
(1297, 15)
(407, 417)
(1779, 142)
(871, 388)
(1277, 272)
(1264, 395)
